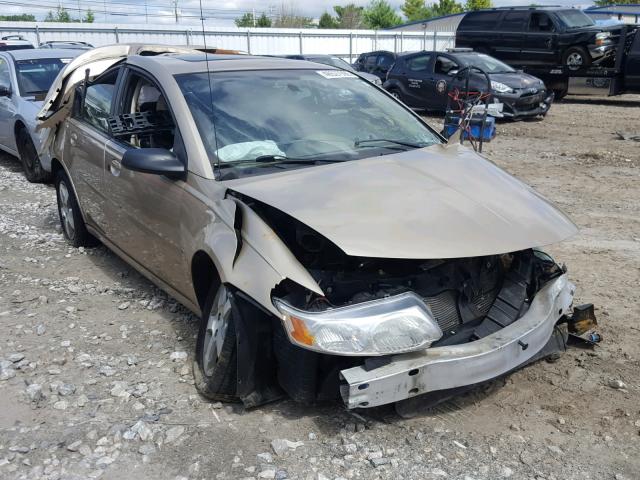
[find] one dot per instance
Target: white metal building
(447, 23)
(623, 13)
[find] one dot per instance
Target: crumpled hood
(436, 202)
(517, 80)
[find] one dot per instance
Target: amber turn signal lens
(300, 332)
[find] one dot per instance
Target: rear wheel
(30, 161)
(215, 365)
(71, 220)
(576, 58)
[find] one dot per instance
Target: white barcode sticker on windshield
(336, 74)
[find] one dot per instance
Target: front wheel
(576, 58)
(215, 366)
(29, 158)
(395, 93)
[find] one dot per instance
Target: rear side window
(479, 21)
(385, 61)
(540, 22)
(419, 63)
(514, 21)
(5, 77)
(370, 61)
(96, 108)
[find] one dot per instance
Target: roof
(35, 53)
(201, 62)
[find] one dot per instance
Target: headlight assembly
(501, 87)
(400, 323)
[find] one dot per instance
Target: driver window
(540, 22)
(444, 65)
(147, 116)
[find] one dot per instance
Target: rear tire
(576, 58)
(29, 158)
(71, 220)
(216, 363)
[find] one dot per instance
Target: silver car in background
(25, 78)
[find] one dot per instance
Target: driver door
(440, 81)
(416, 80)
(144, 220)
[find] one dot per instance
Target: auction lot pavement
(95, 379)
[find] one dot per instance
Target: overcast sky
(216, 13)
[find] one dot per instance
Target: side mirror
(5, 91)
(156, 161)
(453, 72)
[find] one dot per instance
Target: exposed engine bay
(470, 298)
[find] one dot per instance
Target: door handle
(73, 140)
(114, 168)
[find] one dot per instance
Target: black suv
(377, 63)
(538, 36)
(425, 80)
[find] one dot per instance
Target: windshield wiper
(277, 160)
(359, 143)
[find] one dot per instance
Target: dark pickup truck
(539, 36)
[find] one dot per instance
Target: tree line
(60, 15)
(378, 14)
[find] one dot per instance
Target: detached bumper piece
(454, 366)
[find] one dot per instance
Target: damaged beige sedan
(333, 244)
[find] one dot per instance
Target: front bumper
(601, 52)
(446, 367)
(521, 105)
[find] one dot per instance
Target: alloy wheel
(66, 211)
(574, 60)
(217, 325)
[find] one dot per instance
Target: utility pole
(146, 14)
(79, 12)
(253, 16)
(175, 9)
(104, 3)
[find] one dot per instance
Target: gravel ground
(95, 377)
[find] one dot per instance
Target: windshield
(333, 61)
(575, 18)
(485, 62)
(294, 118)
(36, 76)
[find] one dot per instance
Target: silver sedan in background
(25, 78)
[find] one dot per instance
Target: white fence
(259, 41)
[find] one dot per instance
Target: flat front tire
(30, 160)
(215, 366)
(71, 220)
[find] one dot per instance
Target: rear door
(145, 210)
(85, 134)
(511, 36)
(416, 80)
(541, 43)
(384, 62)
